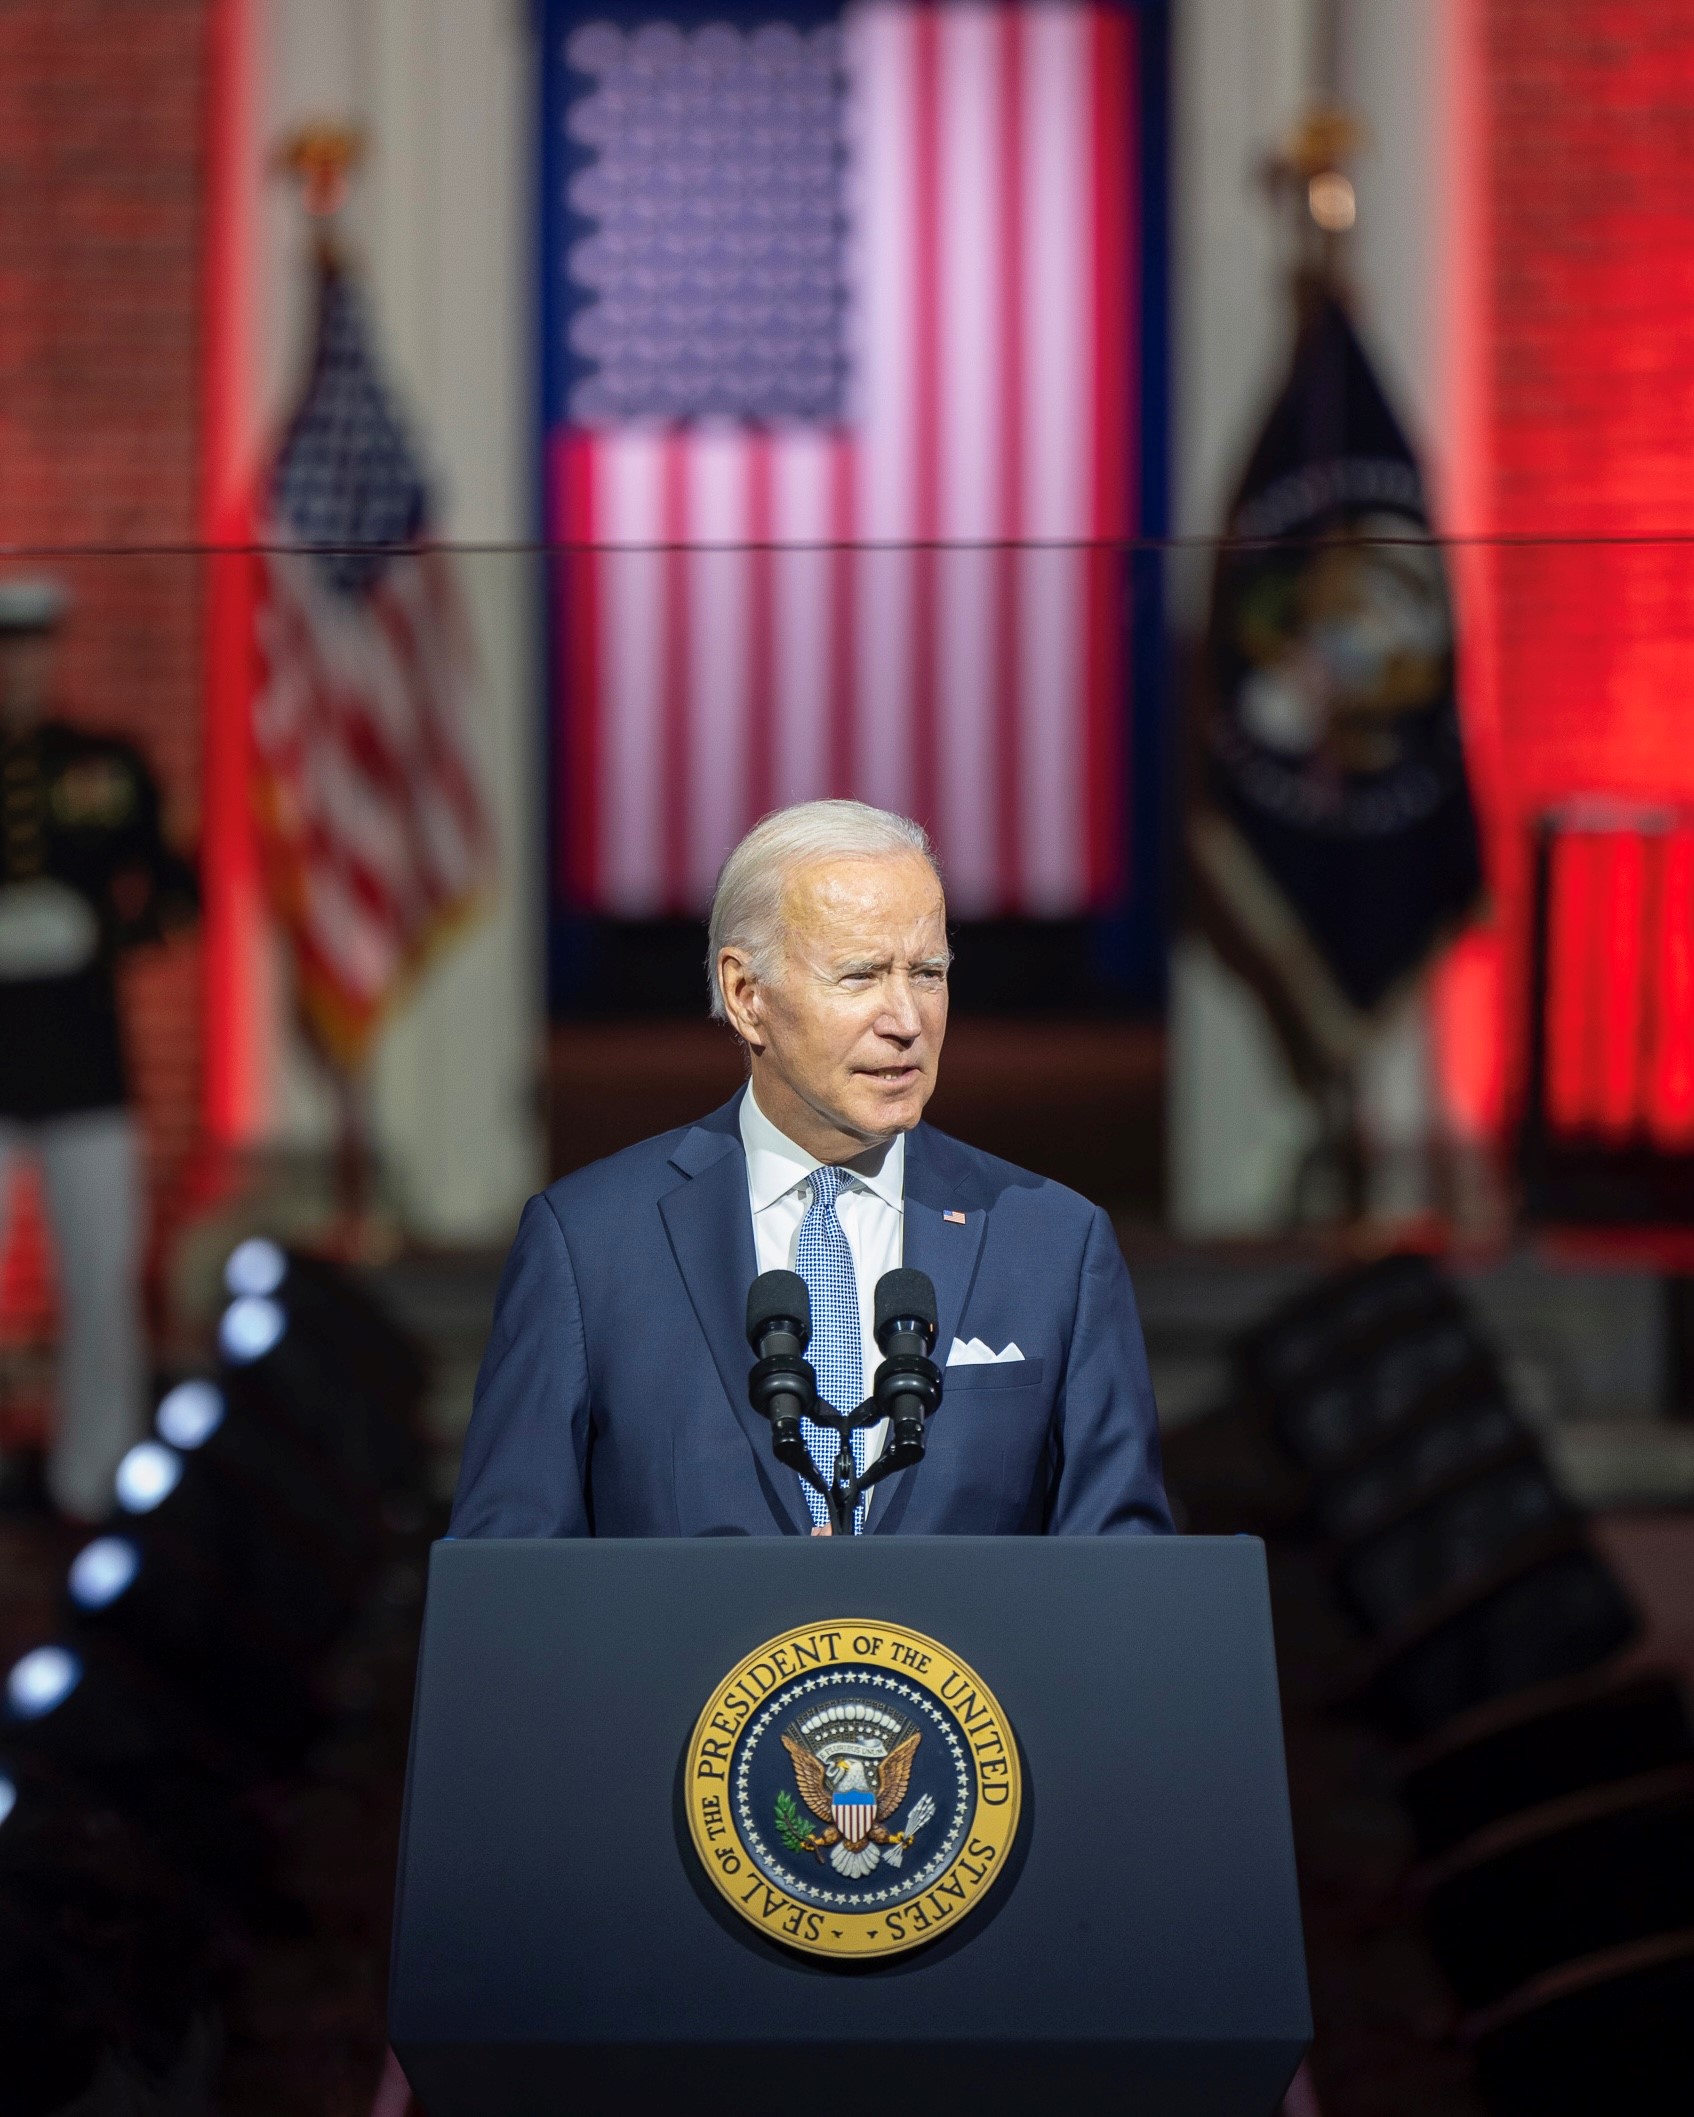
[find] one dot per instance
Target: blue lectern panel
(557, 1941)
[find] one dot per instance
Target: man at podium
(613, 1397)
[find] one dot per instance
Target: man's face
(846, 1036)
(26, 661)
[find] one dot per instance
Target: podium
(563, 1943)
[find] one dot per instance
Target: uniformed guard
(85, 875)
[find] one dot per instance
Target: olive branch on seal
(794, 1829)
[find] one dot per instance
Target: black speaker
(272, 1472)
(1589, 1733)
(1321, 1328)
(105, 1951)
(1448, 1543)
(1561, 1614)
(1610, 2034)
(301, 1586)
(86, 1713)
(1456, 1432)
(314, 1351)
(1358, 1406)
(177, 1616)
(1590, 1872)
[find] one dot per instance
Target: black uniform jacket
(79, 813)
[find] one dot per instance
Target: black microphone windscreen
(776, 1298)
(903, 1296)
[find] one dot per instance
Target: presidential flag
(1334, 841)
(375, 838)
(842, 309)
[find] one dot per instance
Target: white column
(1242, 78)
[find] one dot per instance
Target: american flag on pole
(845, 305)
(375, 836)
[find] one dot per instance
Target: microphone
(782, 1385)
(779, 1314)
(905, 1312)
(908, 1383)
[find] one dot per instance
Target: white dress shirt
(871, 1207)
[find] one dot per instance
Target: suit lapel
(939, 1180)
(710, 1226)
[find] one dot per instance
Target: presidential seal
(853, 1788)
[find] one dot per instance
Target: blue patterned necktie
(837, 1350)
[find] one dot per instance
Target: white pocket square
(975, 1353)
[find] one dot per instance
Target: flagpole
(1328, 25)
(321, 158)
(355, 1235)
(1308, 182)
(377, 841)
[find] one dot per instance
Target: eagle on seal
(853, 1781)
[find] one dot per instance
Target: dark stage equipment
(107, 1956)
(1453, 1547)
(1379, 1392)
(145, 1590)
(1550, 1791)
(85, 1712)
(263, 1460)
(298, 1586)
(1609, 2033)
(1338, 1320)
(1456, 1432)
(312, 1351)
(1593, 1871)
(144, 1742)
(1563, 1739)
(245, 1534)
(1448, 1543)
(1555, 1616)
(268, 1473)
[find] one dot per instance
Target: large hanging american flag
(374, 832)
(846, 311)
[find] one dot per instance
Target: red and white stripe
(756, 616)
(373, 825)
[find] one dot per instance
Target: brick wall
(1592, 288)
(1589, 155)
(101, 175)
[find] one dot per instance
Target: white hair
(747, 903)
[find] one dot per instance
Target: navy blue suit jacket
(613, 1394)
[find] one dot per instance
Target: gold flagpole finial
(321, 157)
(1306, 172)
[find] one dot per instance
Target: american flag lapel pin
(958, 1219)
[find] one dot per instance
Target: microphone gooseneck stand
(783, 1389)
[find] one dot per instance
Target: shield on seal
(854, 1810)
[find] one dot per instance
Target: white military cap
(31, 603)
